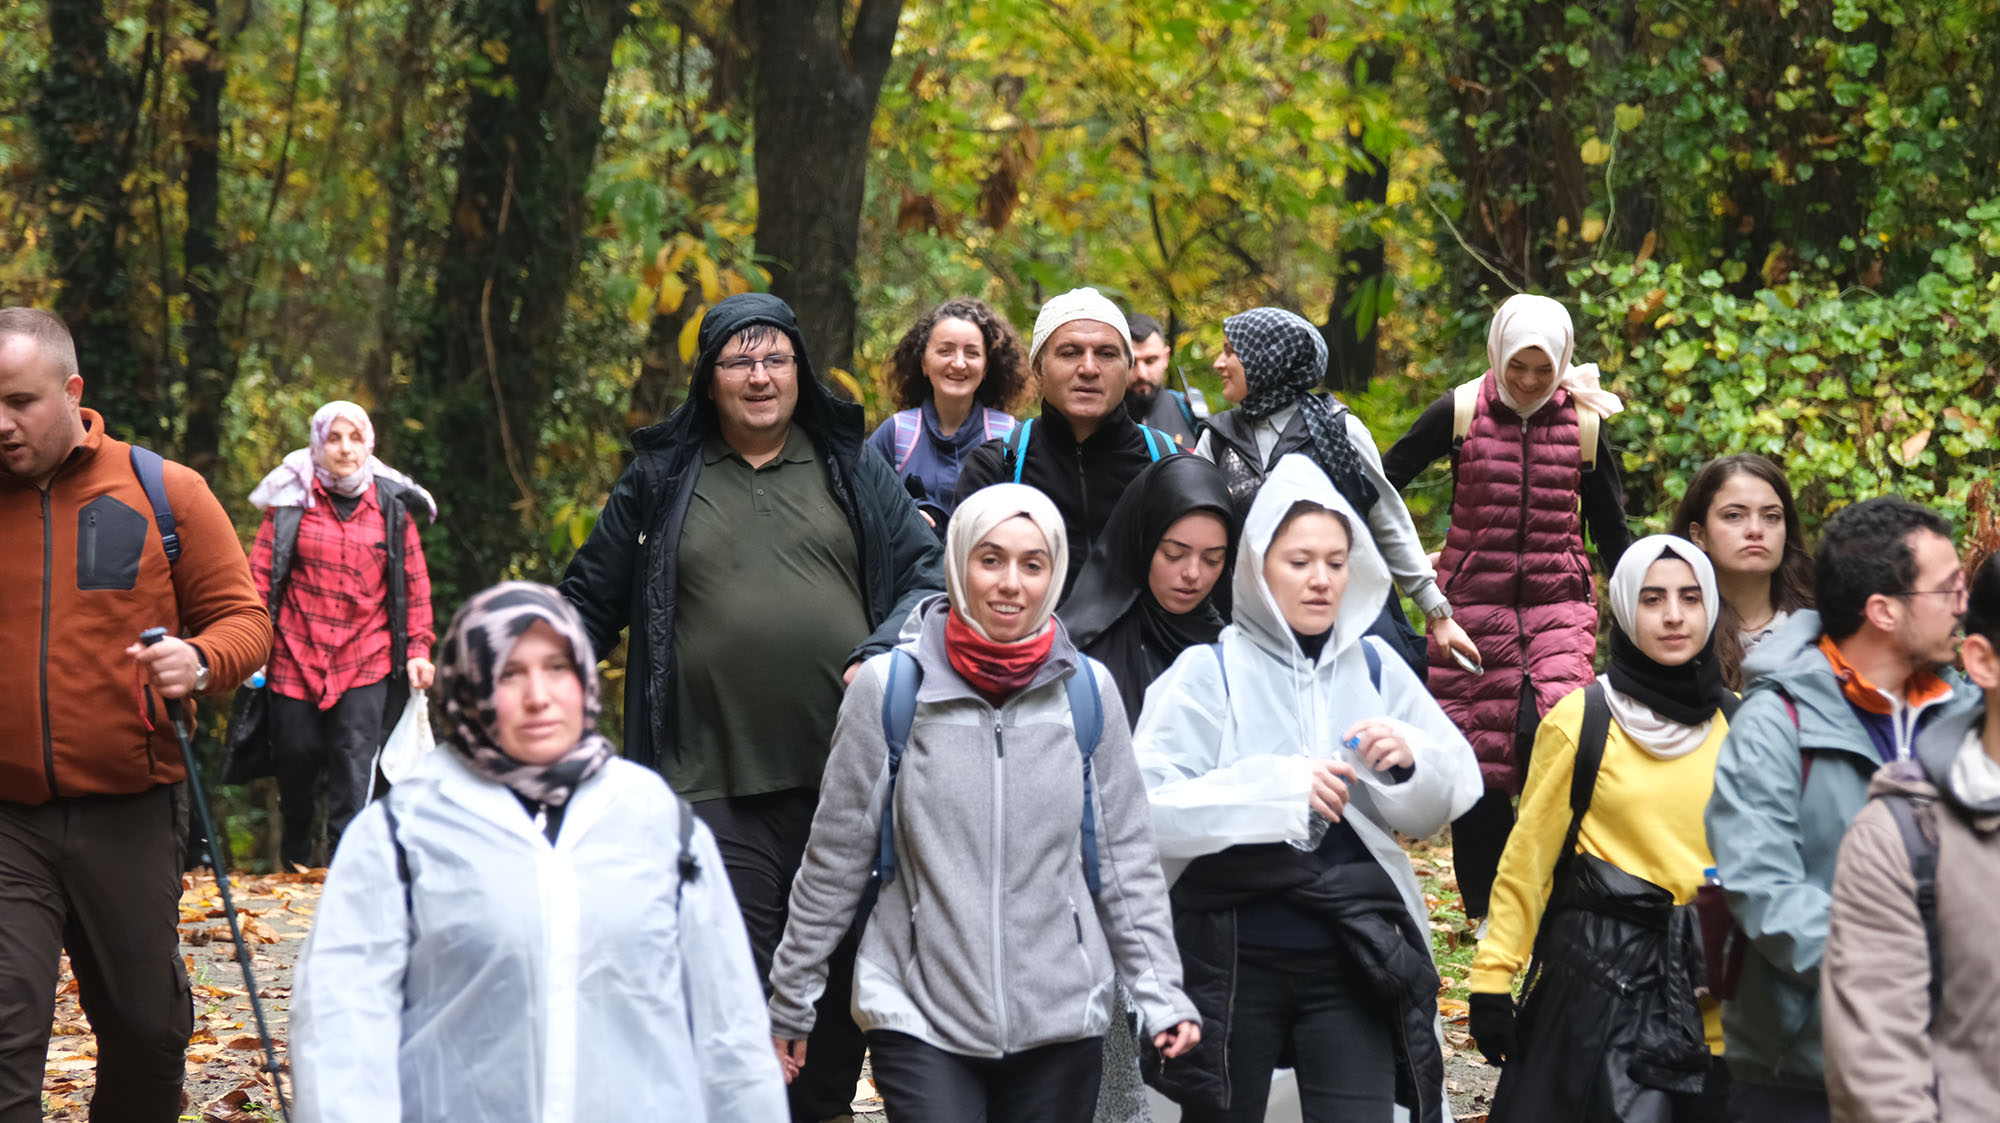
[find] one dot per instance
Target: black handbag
(249, 738)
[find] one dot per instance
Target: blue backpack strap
(1086, 714)
(905, 424)
(1374, 659)
(899, 711)
(151, 470)
(1017, 446)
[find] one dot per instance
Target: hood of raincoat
(1257, 617)
(822, 415)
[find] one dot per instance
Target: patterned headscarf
(475, 648)
(290, 483)
(1284, 359)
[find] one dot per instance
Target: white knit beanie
(1077, 304)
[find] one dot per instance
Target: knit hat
(1077, 304)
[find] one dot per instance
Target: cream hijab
(1526, 321)
(976, 517)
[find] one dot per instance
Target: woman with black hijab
(1145, 595)
(1617, 1025)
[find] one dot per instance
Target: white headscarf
(1660, 736)
(290, 483)
(976, 517)
(1526, 321)
(1076, 304)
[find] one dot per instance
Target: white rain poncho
(1229, 762)
(527, 982)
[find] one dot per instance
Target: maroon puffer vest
(1515, 569)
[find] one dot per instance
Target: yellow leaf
(691, 335)
(641, 307)
(672, 291)
(846, 382)
(495, 50)
(711, 283)
(1593, 228)
(1595, 151)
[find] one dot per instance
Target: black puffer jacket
(626, 572)
(1361, 903)
(1084, 479)
(1610, 1030)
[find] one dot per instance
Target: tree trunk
(517, 228)
(211, 368)
(86, 119)
(813, 109)
(1353, 329)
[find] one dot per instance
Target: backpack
(151, 470)
(1916, 821)
(899, 711)
(1465, 402)
(909, 425)
(1158, 445)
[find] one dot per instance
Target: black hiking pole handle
(218, 852)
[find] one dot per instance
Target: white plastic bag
(410, 742)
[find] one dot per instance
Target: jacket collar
(1116, 429)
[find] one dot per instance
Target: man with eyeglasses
(1832, 697)
(757, 554)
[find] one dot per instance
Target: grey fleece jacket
(988, 942)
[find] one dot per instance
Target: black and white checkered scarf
(475, 648)
(1284, 360)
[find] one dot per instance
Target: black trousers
(339, 744)
(100, 876)
(763, 841)
(1758, 1103)
(1316, 1009)
(921, 1083)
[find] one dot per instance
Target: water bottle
(1315, 825)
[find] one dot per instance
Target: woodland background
(497, 223)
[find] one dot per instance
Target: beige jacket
(1889, 1057)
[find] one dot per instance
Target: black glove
(1492, 1024)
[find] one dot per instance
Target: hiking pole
(218, 850)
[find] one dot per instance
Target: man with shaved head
(92, 785)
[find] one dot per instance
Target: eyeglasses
(1960, 595)
(775, 364)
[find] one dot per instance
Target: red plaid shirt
(332, 631)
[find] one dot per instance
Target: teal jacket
(1775, 840)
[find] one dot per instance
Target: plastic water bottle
(256, 680)
(1315, 824)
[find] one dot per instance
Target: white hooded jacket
(1227, 761)
(524, 981)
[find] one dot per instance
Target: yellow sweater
(1645, 817)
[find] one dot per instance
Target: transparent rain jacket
(529, 982)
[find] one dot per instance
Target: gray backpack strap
(1916, 821)
(402, 866)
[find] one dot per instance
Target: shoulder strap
(402, 863)
(151, 470)
(899, 710)
(1590, 740)
(1374, 659)
(690, 866)
(1086, 714)
(1464, 403)
(1018, 447)
(1222, 663)
(907, 422)
(1805, 755)
(1916, 820)
(1587, 424)
(999, 423)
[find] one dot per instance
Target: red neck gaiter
(995, 670)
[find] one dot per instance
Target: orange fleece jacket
(84, 572)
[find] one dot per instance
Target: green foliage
(1856, 392)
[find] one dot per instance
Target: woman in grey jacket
(1018, 873)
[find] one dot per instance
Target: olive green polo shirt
(768, 610)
